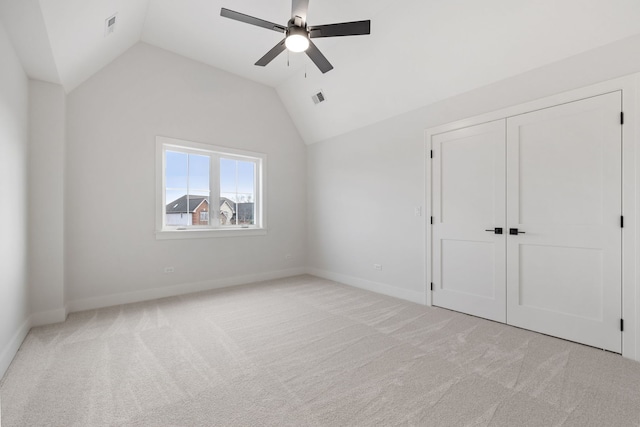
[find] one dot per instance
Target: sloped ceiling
(63, 41)
(419, 52)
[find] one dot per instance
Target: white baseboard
(49, 317)
(380, 288)
(185, 288)
(11, 349)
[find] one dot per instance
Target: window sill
(206, 234)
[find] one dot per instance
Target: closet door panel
(468, 199)
(564, 196)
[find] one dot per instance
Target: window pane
(187, 189)
(199, 189)
(176, 179)
(237, 192)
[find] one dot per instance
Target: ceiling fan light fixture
(297, 39)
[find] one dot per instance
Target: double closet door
(526, 221)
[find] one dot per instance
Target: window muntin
(209, 188)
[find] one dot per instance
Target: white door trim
(630, 187)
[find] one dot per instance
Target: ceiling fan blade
(299, 8)
(271, 55)
(251, 20)
(318, 58)
(356, 28)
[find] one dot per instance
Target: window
(205, 190)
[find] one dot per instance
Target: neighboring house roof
(180, 205)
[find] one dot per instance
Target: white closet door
(468, 179)
(564, 192)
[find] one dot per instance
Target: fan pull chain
(305, 70)
(287, 57)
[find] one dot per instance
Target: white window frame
(164, 144)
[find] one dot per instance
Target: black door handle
(497, 230)
(515, 232)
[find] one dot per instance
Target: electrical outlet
(418, 211)
(168, 270)
(377, 266)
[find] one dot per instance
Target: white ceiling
(419, 52)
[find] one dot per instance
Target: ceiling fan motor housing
(295, 30)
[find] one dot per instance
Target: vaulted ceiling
(419, 51)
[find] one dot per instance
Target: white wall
(374, 177)
(46, 201)
(13, 193)
(112, 121)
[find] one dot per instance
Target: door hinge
(431, 285)
(431, 220)
(621, 325)
(621, 221)
(622, 117)
(431, 154)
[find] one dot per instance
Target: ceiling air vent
(318, 98)
(110, 25)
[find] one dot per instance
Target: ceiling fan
(299, 35)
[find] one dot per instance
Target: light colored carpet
(306, 351)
